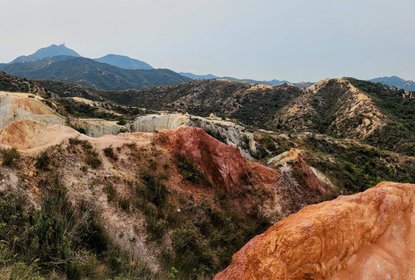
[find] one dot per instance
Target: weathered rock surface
(98, 127)
(154, 122)
(225, 131)
(22, 106)
(18, 106)
(223, 164)
(292, 164)
(369, 235)
(27, 135)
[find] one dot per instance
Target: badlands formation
(202, 162)
(190, 169)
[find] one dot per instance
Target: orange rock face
(370, 235)
(222, 164)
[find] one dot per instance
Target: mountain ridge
(124, 62)
(50, 51)
(395, 81)
(91, 73)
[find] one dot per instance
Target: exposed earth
(206, 178)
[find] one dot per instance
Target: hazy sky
(263, 39)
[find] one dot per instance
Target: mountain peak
(396, 81)
(50, 51)
(124, 62)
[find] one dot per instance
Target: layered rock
(292, 164)
(370, 235)
(30, 135)
(98, 127)
(223, 164)
(225, 131)
(154, 122)
(15, 106)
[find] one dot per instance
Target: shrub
(66, 241)
(80, 129)
(122, 121)
(188, 171)
(154, 191)
(93, 160)
(109, 153)
(111, 192)
(10, 156)
(124, 204)
(42, 161)
(196, 257)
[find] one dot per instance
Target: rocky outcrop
(30, 135)
(230, 133)
(249, 190)
(19, 106)
(155, 122)
(370, 235)
(98, 127)
(22, 106)
(292, 164)
(223, 130)
(222, 164)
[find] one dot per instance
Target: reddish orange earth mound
(223, 164)
(370, 235)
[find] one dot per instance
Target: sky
(295, 40)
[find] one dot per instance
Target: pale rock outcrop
(292, 162)
(98, 127)
(225, 131)
(18, 106)
(155, 122)
(30, 135)
(369, 235)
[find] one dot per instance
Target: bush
(111, 192)
(189, 172)
(66, 241)
(10, 156)
(154, 191)
(79, 129)
(93, 160)
(122, 121)
(43, 161)
(196, 257)
(109, 153)
(124, 204)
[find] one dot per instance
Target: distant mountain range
(57, 62)
(89, 72)
(396, 82)
(248, 81)
(199, 77)
(52, 50)
(112, 71)
(124, 62)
